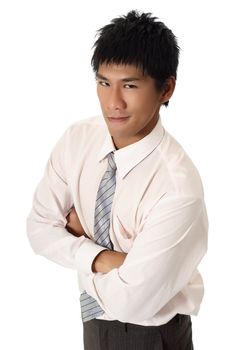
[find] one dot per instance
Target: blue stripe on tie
(106, 181)
(105, 220)
(104, 233)
(102, 197)
(102, 206)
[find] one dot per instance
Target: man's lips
(117, 118)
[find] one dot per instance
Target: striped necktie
(89, 306)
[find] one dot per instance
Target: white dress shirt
(158, 217)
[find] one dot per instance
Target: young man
(122, 203)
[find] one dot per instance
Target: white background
(46, 83)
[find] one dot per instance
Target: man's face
(129, 101)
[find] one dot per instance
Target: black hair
(139, 39)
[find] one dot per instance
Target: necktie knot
(111, 162)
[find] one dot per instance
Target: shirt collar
(128, 157)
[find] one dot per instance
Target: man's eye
(103, 83)
(130, 86)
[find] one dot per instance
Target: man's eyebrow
(125, 80)
(99, 76)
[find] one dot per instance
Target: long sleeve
(47, 220)
(161, 262)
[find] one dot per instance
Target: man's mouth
(117, 119)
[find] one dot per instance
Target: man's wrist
(87, 252)
(99, 262)
(108, 260)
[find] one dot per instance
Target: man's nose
(116, 100)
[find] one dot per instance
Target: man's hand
(73, 224)
(108, 260)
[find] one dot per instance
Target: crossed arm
(106, 260)
(160, 264)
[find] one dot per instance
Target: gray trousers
(115, 335)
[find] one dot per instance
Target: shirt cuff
(86, 255)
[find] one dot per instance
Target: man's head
(134, 46)
(141, 40)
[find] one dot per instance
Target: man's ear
(168, 89)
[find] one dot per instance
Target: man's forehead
(123, 71)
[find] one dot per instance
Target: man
(122, 203)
